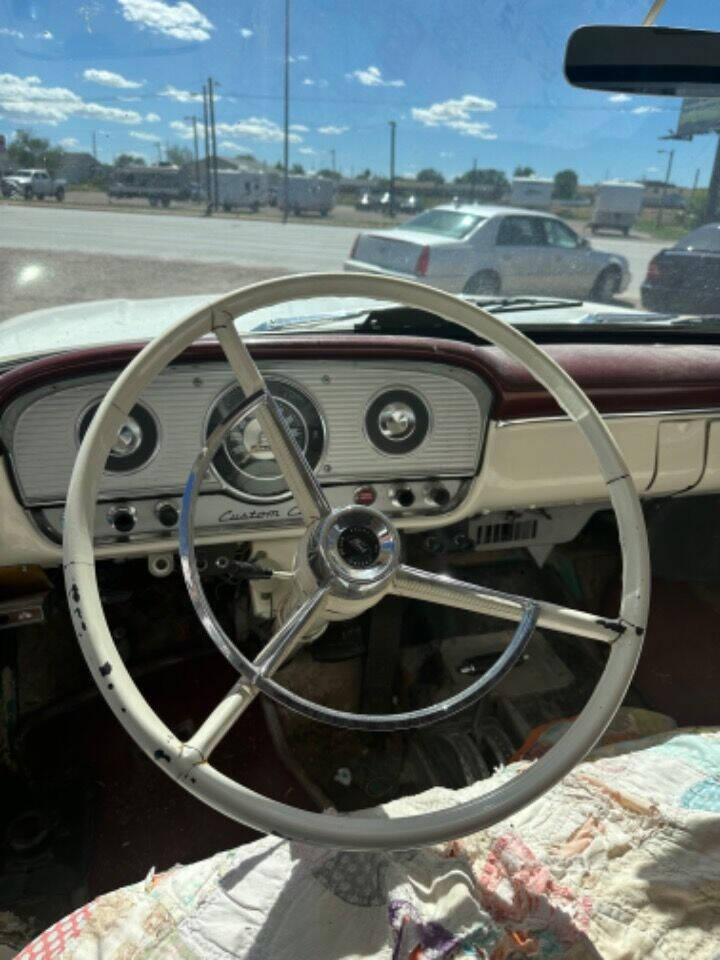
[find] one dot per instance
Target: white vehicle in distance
(33, 183)
(491, 250)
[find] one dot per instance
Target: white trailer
(617, 203)
(307, 195)
(533, 192)
(238, 189)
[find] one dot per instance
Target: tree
(29, 151)
(430, 175)
(566, 182)
(491, 183)
(129, 160)
(333, 174)
(179, 155)
(365, 175)
(523, 172)
(297, 168)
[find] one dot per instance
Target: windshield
(445, 223)
(157, 150)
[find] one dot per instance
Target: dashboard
(404, 437)
(452, 440)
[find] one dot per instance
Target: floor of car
(101, 814)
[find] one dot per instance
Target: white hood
(103, 322)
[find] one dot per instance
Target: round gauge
(136, 442)
(397, 421)
(245, 462)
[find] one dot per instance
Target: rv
(533, 192)
(617, 204)
(159, 185)
(238, 189)
(307, 195)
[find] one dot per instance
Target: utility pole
(94, 146)
(159, 150)
(211, 102)
(695, 180)
(711, 209)
(671, 154)
(393, 128)
(193, 120)
(332, 156)
(474, 182)
(208, 185)
(286, 115)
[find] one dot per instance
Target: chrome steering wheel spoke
(301, 480)
(417, 584)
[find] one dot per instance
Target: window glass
(521, 232)
(558, 235)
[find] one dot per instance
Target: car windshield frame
(438, 213)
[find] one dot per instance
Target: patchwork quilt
(619, 861)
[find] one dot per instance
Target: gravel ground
(33, 279)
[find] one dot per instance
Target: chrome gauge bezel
(422, 412)
(117, 470)
(316, 448)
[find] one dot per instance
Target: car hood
(107, 322)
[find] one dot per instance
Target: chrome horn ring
(352, 556)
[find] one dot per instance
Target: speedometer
(245, 462)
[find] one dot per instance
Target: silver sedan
(492, 250)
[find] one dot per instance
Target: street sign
(699, 115)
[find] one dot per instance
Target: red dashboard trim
(625, 378)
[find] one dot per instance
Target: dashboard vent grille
(513, 530)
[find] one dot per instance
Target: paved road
(244, 243)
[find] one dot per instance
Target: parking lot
(62, 254)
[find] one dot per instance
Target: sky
(464, 80)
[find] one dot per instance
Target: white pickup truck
(33, 183)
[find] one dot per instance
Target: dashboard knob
(167, 513)
(403, 497)
(122, 518)
(439, 495)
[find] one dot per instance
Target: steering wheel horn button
(355, 548)
(359, 547)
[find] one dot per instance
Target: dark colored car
(686, 277)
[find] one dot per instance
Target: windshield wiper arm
(510, 304)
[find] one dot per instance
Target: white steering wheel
(346, 561)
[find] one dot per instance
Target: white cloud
(646, 110)
(307, 82)
(108, 79)
(182, 96)
(458, 115)
(618, 98)
(9, 32)
(299, 128)
(150, 137)
(307, 151)
(152, 118)
(130, 99)
(256, 128)
(372, 77)
(332, 131)
(232, 145)
(184, 130)
(27, 98)
(300, 58)
(446, 154)
(69, 143)
(181, 20)
(246, 32)
(45, 35)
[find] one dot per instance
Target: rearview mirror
(663, 61)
